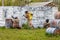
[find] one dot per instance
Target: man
(57, 15)
(46, 24)
(16, 23)
(53, 29)
(53, 24)
(29, 16)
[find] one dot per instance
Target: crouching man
(16, 23)
(46, 23)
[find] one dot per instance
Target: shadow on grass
(2, 27)
(52, 35)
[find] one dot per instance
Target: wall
(39, 14)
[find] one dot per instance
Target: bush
(25, 26)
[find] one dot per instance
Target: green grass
(25, 34)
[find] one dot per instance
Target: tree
(39, 0)
(0, 2)
(58, 3)
(18, 2)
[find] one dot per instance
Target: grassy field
(25, 34)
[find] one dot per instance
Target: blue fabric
(8, 24)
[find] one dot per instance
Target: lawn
(25, 34)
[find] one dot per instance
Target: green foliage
(18, 2)
(57, 2)
(14, 2)
(0, 2)
(39, 0)
(25, 26)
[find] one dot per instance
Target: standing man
(29, 16)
